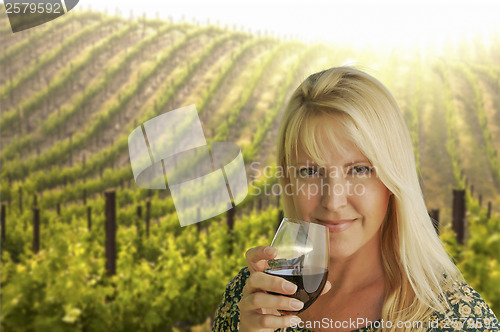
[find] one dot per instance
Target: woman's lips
(337, 226)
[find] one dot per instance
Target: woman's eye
(360, 170)
(309, 171)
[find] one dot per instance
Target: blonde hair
(416, 267)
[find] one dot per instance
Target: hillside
(72, 90)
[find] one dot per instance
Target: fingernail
(296, 304)
(289, 287)
(270, 251)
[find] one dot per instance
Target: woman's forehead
(326, 139)
(343, 152)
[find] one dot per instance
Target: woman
(343, 133)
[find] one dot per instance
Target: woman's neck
(357, 290)
(357, 271)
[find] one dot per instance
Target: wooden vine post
(36, 230)
(231, 213)
(435, 219)
(139, 217)
(89, 218)
(148, 215)
(3, 216)
(110, 232)
(20, 200)
(459, 214)
(230, 219)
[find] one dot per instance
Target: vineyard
(72, 90)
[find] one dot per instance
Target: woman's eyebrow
(313, 163)
(363, 161)
(306, 163)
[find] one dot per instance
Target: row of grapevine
(20, 144)
(74, 191)
(479, 255)
(23, 48)
(479, 110)
(65, 285)
(35, 38)
(57, 119)
(47, 59)
(50, 96)
(490, 83)
(53, 176)
(78, 189)
(60, 151)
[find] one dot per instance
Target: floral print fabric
(468, 311)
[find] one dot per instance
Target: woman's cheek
(305, 198)
(372, 198)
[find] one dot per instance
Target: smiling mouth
(339, 225)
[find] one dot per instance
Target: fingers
(261, 300)
(258, 321)
(257, 258)
(260, 281)
(327, 288)
(259, 308)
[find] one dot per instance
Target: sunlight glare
(386, 24)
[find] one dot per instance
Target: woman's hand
(258, 309)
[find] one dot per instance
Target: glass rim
(301, 221)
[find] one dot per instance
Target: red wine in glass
(310, 282)
(302, 258)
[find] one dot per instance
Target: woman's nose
(335, 193)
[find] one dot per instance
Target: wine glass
(302, 258)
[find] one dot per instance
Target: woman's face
(345, 194)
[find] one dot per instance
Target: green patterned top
(468, 311)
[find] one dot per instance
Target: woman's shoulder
(467, 311)
(235, 286)
(227, 314)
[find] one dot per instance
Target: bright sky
(388, 23)
(358, 22)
